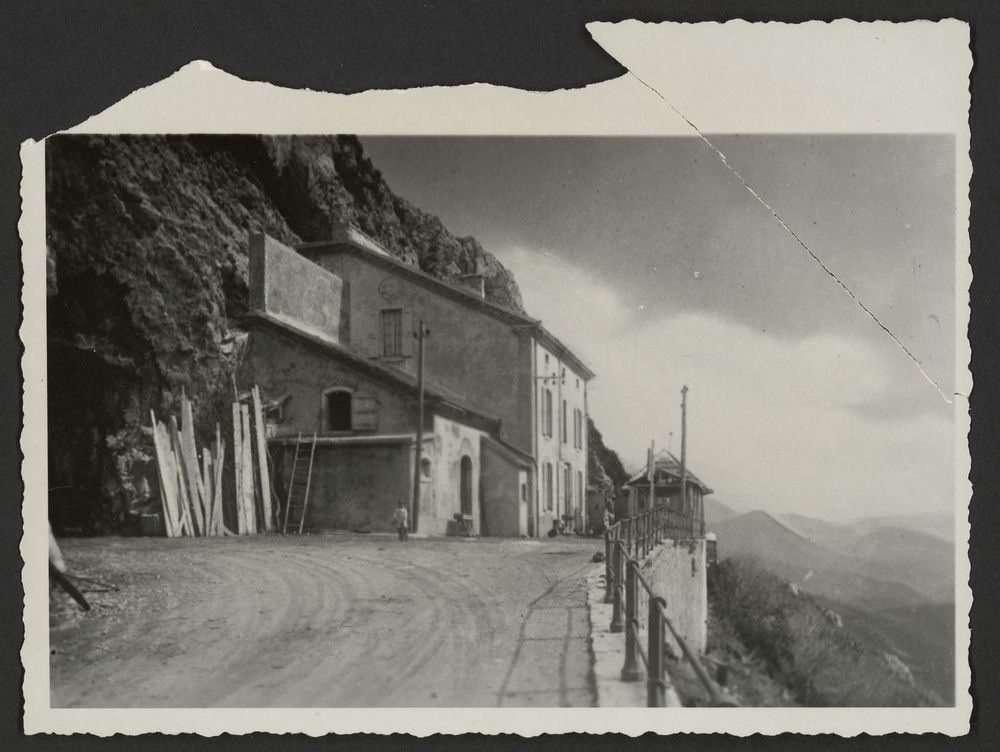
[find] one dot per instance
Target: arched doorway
(465, 485)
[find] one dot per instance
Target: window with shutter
(364, 412)
(547, 481)
(547, 413)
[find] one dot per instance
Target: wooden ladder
(298, 485)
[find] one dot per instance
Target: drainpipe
(535, 443)
(585, 445)
(418, 456)
(560, 470)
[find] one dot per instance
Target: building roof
(667, 463)
(347, 238)
(437, 399)
(511, 453)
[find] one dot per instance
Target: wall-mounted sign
(389, 288)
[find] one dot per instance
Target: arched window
(337, 409)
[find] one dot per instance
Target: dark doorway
(338, 411)
(465, 488)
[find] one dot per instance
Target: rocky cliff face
(147, 243)
(603, 464)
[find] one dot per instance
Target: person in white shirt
(401, 520)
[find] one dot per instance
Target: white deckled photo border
(847, 77)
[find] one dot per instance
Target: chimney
(476, 281)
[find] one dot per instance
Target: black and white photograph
(567, 419)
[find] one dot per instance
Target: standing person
(401, 519)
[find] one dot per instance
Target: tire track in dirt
(319, 621)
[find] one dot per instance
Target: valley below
(886, 585)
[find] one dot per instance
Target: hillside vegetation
(888, 581)
(758, 619)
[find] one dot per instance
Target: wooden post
(209, 486)
(166, 475)
(238, 468)
(188, 480)
(190, 454)
(265, 475)
(220, 452)
(248, 495)
(418, 454)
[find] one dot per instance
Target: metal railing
(626, 543)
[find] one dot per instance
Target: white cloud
(771, 421)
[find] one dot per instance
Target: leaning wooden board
(248, 497)
(238, 468)
(265, 478)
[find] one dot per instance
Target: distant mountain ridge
(889, 567)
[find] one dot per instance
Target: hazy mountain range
(885, 560)
(891, 579)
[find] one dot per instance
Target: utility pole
(651, 474)
(420, 334)
(684, 474)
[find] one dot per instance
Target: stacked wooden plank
(191, 483)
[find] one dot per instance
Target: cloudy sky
(658, 267)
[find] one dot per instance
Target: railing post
(655, 670)
(630, 671)
(609, 593)
(618, 553)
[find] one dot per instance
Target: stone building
(332, 348)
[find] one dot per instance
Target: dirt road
(324, 621)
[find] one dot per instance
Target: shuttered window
(547, 413)
(364, 412)
(547, 483)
